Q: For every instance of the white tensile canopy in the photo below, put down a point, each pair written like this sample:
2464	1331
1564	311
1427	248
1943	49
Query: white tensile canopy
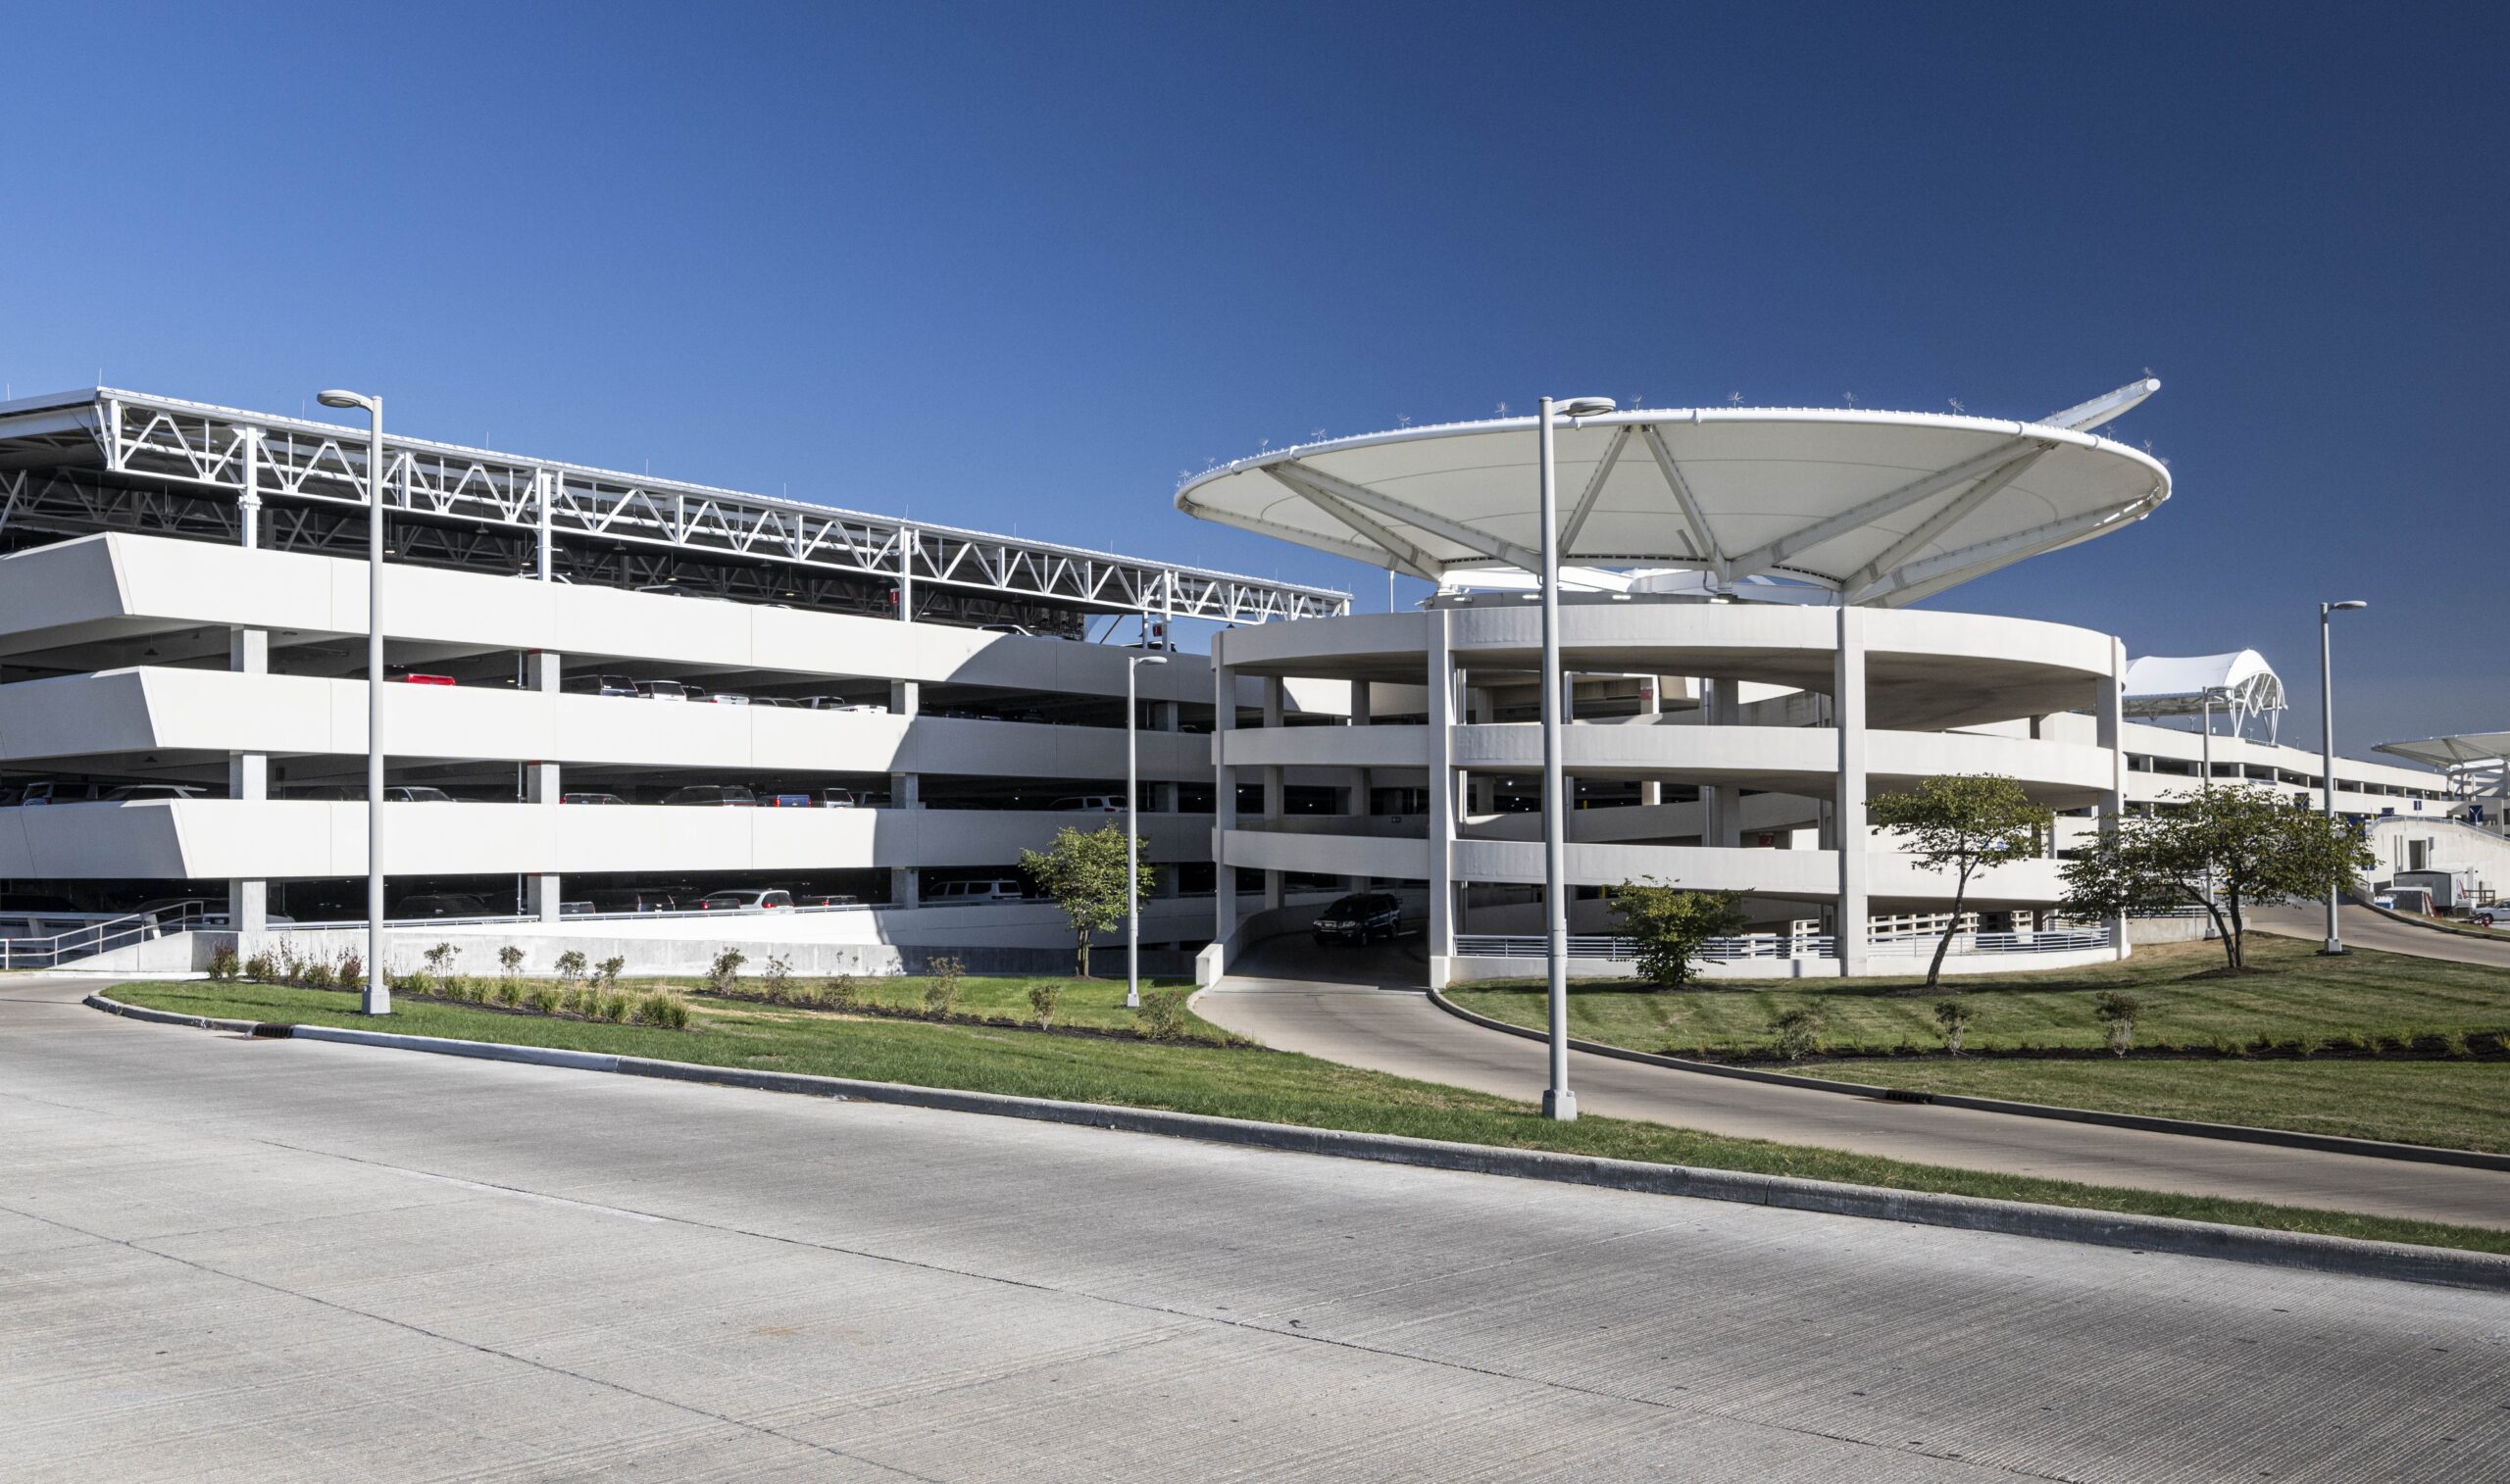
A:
2477	762
1874	507
2240	685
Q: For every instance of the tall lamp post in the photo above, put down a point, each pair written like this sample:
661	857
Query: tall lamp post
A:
1133	828
1558	1102
2327	740
378	995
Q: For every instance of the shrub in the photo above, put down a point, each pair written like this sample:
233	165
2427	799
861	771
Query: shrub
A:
1673	928
668	1012
2223	1046
2363	1045
941	987
2117	1010
1798	1031
606	972
844	993
1952	1017
222	963
2455	1044
509	993
614	1006
571	966
1041	1000
1163	1013
440	959
543	999
779	975
510	960
316	974
259	968
725	970
2309	1046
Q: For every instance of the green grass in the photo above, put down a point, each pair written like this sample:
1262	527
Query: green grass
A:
2455	1104
2301	995
1091	1004
1226	1082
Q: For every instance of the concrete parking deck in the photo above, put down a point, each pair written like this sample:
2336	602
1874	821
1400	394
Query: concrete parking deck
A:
277	1259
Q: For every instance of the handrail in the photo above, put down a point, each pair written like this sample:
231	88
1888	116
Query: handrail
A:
1784	945
100	937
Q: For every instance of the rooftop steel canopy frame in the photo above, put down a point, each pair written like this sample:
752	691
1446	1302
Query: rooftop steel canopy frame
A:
1877	507
104	459
2240	685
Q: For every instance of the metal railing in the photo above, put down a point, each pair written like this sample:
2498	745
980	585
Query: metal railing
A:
1784	945
94	938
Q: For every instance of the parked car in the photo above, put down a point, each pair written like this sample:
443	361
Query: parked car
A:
1090	804
416	793
784	701
2495	915
634	899
1360	916
841	798
574	908
141	793
419	679
773	899
599	685
47	791
830	899
721	795
590	798
442	904
665	690
963	893
839	702
727	698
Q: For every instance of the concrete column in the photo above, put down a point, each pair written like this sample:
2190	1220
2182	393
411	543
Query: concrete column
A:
904	888
906	699
1440	679
1847	689
1722	806
1276	787
1651	705
2109	713
1361	783
1223	794
248	776
1163	796
542	672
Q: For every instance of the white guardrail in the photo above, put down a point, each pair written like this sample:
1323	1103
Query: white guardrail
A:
102	936
1784	945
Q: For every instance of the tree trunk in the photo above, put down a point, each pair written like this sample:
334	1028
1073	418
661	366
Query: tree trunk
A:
2239	935
1080	957
2222	929
1951	929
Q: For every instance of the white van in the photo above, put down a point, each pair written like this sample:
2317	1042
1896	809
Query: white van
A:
1090	804
966	893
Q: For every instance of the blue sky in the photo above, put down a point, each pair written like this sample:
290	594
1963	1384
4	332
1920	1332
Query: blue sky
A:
1017	266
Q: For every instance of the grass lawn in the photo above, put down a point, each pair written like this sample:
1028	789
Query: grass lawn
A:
1096	1004
1223	1081
2458	1104
2302	994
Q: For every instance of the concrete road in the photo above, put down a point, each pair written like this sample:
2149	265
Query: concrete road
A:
2365	928
230	1259
1358	1008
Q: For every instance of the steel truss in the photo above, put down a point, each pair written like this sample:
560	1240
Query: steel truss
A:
183	466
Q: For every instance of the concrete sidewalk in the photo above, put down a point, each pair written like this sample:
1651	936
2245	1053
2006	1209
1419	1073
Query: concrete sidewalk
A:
285	1259
1368	1015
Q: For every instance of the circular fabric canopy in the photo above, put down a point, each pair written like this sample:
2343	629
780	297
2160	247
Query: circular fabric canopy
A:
1880	508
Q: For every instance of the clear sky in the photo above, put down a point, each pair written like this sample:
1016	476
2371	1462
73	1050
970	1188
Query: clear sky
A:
1017	267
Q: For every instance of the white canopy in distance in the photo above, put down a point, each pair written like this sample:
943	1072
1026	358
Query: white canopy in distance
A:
2239	685
1874	507
2477	762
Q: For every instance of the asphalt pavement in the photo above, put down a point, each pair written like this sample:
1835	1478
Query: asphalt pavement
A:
238	1260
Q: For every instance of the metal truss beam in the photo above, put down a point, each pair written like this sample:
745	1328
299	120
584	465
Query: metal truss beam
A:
170	444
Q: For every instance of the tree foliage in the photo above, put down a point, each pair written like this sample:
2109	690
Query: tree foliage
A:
1085	875
1672	925
2247	845
1963	824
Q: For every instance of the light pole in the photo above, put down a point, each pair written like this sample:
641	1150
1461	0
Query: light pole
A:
378	995
1558	1102
1133	829
2326	743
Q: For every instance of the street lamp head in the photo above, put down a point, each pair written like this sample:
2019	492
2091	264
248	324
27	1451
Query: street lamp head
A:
338	398
1583	407
2337	607
1150	659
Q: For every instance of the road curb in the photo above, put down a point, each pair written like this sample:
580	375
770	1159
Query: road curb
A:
2305	1251
2237	1133
2480	934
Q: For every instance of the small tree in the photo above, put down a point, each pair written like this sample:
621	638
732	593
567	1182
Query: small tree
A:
1084	874
2117	1010
1671	926
1952	1017
1044	996
2251	847
1963	825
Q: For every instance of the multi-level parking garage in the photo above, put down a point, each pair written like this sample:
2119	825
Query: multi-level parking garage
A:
1740	671
179	624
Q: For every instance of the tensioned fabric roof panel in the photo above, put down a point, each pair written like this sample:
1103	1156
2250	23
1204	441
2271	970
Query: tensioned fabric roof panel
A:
1882	507
2453	752
2175	684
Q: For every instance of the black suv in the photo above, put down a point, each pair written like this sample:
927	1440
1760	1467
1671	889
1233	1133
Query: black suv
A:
1360	916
